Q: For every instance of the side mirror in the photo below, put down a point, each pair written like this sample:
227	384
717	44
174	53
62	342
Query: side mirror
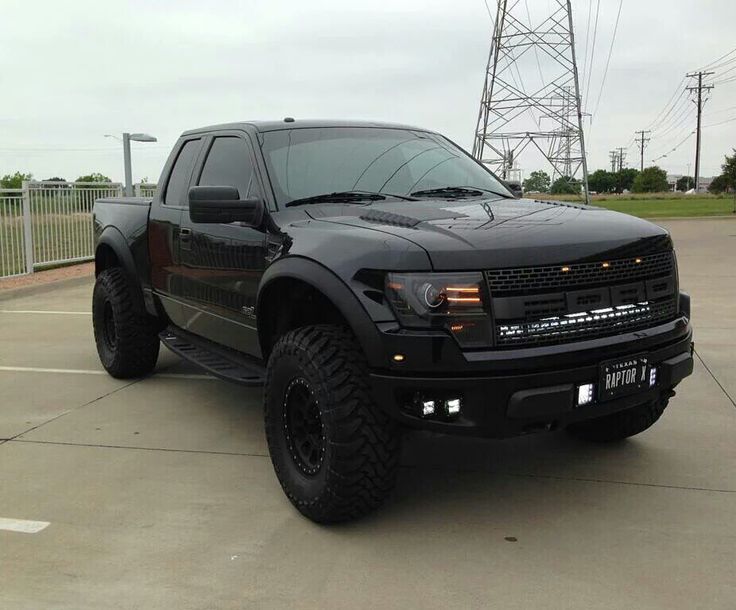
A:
222	204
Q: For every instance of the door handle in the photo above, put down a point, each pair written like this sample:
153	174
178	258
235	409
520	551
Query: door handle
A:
184	234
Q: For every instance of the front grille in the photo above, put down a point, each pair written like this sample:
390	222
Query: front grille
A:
584	325
551	278
555	304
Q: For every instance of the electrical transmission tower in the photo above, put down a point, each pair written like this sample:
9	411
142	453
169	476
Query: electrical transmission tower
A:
620	157
613	155
552	101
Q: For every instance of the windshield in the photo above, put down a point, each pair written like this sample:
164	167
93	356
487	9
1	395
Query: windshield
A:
313	161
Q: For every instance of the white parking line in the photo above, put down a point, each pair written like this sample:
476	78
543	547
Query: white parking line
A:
55	313
33	369
23	526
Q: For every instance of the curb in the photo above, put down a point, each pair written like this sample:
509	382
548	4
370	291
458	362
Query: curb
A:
732	217
26	291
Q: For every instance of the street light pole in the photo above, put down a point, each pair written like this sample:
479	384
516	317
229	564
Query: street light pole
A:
128	167
127	138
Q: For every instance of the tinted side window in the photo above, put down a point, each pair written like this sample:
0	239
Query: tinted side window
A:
176	190
229	164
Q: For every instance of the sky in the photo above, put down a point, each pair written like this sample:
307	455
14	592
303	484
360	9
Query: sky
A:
73	71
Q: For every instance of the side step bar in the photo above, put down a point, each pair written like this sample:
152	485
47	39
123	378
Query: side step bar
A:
216	360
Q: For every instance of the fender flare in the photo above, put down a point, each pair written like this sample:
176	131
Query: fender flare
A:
331	286
114	239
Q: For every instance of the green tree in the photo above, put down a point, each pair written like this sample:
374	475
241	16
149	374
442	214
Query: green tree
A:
718	185
624	179
565	185
651	180
685	183
729	170
537	181
93	177
14	181
601	181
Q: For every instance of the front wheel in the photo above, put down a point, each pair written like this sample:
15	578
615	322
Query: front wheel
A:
620	425
334	451
127	341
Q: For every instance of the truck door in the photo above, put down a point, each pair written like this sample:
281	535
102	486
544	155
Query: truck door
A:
164	225
222	264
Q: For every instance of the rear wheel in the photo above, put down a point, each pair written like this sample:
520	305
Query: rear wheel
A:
620	425
334	451
127	341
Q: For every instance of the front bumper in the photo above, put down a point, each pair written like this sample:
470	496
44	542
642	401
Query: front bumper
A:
510	400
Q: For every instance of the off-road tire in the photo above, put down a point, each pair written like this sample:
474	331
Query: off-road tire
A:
127	341
620	425
361	444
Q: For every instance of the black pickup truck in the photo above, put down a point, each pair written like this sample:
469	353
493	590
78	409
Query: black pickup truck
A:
374	278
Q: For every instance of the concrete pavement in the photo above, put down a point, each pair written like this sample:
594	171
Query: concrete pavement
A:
159	492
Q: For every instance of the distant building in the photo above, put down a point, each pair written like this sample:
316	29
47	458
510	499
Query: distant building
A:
673	178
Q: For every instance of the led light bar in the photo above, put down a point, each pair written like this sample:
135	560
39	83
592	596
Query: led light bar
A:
572	320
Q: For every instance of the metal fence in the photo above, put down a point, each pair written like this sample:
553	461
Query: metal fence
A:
12	238
45	224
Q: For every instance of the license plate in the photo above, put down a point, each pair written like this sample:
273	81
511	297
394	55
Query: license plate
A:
623	376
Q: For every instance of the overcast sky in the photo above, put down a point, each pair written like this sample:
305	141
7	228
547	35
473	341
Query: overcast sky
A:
72	71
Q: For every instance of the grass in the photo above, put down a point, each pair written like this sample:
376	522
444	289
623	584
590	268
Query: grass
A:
674	208
663	205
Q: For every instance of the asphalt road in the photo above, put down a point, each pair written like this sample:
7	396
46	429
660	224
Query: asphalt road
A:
158	493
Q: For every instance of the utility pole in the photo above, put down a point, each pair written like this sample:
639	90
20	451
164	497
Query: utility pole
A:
699	102
621	155
613	155
642	142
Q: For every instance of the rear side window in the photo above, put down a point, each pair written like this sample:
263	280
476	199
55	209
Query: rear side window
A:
229	164
176	190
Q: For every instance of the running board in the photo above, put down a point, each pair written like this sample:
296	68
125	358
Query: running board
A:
219	361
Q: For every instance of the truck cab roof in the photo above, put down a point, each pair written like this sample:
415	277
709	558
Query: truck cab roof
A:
289	123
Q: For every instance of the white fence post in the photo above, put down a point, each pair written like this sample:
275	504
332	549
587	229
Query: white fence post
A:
27	228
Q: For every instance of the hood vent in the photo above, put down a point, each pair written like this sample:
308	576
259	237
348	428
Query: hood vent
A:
389	218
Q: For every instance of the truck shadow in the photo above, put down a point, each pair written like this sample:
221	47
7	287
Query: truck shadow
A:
465	476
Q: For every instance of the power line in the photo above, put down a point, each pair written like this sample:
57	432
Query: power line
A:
690	135
711	65
117	149
669	108
592	52
608	59
587	39
720	123
677	122
536	51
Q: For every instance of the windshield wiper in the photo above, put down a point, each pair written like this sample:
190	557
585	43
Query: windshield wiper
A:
454	192
345	196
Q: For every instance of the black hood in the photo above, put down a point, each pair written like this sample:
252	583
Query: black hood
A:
484	233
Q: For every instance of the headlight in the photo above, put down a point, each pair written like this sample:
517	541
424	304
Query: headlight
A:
456	302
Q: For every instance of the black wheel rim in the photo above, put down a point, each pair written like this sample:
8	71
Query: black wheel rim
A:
108	326
303	427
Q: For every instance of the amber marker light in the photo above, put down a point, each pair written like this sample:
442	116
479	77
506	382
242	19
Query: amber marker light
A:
462	295
399	358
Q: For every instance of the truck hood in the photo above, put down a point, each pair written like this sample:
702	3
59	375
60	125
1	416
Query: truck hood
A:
492	233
